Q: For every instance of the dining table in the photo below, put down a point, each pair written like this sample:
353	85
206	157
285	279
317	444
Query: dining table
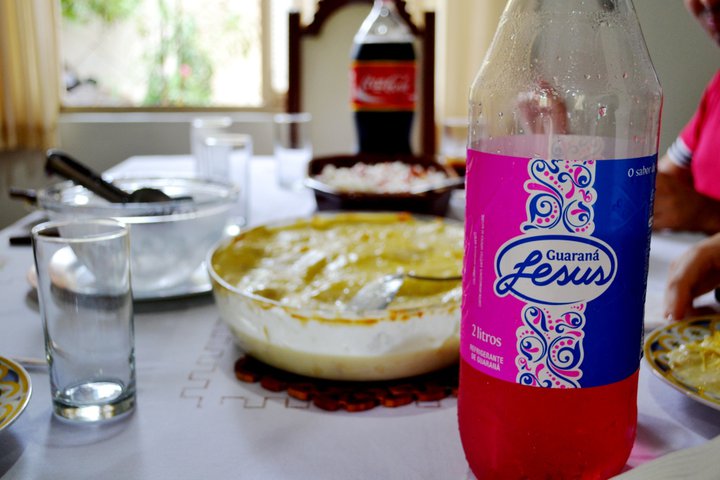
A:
195	419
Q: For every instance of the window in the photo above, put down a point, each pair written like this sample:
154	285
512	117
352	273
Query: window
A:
174	53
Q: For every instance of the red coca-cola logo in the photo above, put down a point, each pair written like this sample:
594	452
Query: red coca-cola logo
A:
387	85
383	86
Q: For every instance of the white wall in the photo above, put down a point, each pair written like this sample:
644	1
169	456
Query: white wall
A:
684	57
325	81
102	140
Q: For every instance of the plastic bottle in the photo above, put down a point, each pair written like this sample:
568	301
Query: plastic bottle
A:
562	152
383	81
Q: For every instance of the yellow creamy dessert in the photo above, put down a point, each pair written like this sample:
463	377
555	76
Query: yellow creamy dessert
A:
322	262
283	290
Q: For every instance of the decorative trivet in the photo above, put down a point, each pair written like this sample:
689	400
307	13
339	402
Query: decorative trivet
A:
350	396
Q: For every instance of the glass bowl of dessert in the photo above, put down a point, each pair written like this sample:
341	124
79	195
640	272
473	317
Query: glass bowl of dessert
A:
286	291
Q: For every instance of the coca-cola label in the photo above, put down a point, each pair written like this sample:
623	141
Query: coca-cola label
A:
556	256
383	85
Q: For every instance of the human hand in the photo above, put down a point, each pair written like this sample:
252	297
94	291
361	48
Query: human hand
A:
694	273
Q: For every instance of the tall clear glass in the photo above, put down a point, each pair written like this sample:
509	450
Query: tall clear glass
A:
83	277
227	159
292	148
562	151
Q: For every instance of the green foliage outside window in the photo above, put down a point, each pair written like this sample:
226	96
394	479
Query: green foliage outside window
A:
108	11
179	72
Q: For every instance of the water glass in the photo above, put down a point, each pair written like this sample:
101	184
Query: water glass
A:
292	148
200	129
453	143
228	158
83	278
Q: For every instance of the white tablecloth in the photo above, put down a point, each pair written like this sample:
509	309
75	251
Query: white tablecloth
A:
195	420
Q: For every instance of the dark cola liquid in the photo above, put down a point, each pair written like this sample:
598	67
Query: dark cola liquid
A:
385	132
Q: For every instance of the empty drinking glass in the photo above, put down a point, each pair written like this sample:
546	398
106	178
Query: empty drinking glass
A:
292	149
83	275
200	129
227	159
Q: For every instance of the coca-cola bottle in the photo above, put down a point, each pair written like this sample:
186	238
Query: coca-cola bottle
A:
382	81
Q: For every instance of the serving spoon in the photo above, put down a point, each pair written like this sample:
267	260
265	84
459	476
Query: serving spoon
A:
379	293
62	164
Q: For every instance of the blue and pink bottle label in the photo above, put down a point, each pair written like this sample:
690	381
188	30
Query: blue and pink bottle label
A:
556	257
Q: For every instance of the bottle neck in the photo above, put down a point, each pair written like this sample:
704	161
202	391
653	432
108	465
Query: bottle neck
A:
559	68
385	9
569	6
384	24
560	38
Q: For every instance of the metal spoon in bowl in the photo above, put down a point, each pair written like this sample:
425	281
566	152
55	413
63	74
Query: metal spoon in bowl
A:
62	164
379	293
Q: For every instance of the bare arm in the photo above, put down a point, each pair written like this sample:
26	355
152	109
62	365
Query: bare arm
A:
678	206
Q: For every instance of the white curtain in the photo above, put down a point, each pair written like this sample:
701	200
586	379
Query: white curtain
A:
465	29
29	74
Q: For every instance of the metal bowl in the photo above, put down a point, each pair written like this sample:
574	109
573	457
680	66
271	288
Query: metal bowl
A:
168	240
324	339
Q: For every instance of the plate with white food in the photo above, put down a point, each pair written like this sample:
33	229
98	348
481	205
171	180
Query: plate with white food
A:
686	355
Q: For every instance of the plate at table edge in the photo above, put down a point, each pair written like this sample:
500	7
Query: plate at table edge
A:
197	284
662	340
20	399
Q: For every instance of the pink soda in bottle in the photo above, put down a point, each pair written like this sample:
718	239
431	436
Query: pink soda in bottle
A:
562	151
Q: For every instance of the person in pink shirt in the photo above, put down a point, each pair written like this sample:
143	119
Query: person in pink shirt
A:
688	188
687	195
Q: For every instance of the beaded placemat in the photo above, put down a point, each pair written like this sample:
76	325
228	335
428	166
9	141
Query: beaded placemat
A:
350	396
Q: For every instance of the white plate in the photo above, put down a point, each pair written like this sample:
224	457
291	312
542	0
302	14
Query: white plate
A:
661	341
15	390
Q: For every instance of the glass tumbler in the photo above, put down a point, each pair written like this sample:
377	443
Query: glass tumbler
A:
83	278
292	148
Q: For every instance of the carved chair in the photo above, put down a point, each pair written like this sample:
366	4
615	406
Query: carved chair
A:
425	117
